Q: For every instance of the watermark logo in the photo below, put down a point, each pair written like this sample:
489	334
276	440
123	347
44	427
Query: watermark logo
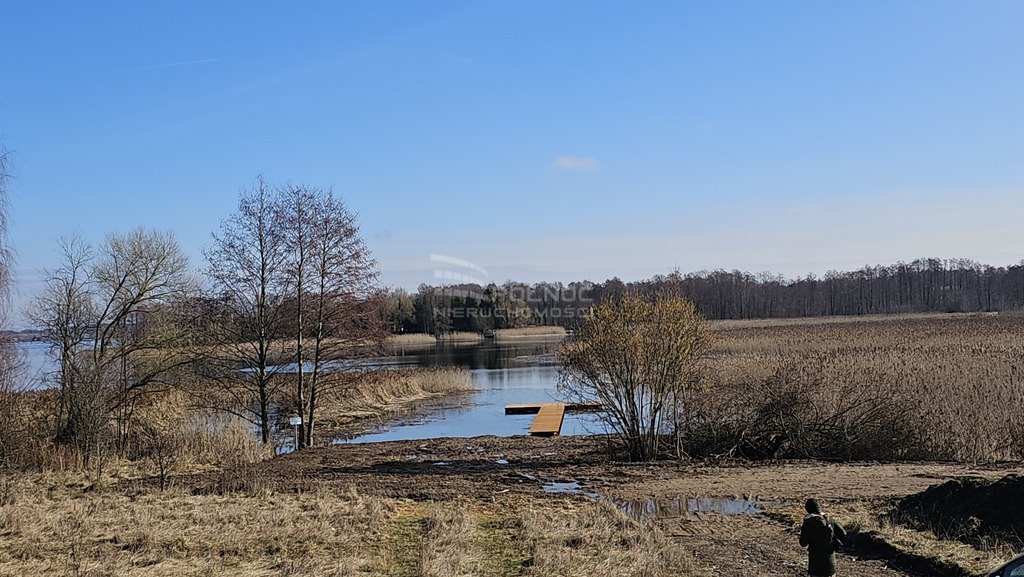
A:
467	293
447	263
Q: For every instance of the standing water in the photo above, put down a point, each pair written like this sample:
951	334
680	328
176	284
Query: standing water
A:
502	373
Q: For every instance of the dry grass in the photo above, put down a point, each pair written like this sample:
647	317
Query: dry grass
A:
388	392
63	525
52	526
461	337
411	339
920	387
927	545
736	324
447	545
598	539
528	332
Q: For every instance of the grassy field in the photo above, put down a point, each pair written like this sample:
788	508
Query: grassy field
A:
73	525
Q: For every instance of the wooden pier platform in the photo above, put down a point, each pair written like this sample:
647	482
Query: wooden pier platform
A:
549	420
550	416
533	409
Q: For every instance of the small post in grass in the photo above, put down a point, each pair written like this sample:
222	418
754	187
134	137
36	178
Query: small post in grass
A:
295	422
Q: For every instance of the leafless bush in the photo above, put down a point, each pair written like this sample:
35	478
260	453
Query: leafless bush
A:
641	360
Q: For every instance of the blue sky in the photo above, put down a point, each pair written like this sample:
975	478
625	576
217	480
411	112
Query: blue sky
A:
541	140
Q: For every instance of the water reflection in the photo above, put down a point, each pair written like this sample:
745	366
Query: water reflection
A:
502	374
486	355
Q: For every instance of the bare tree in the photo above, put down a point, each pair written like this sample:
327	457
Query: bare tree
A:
6	250
10	400
301	307
246	264
110	317
65	310
640	359
296	206
347	305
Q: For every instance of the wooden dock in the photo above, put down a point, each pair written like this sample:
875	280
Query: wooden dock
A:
550	416
548	422
533	409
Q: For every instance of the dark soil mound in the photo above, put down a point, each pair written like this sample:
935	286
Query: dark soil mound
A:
971	510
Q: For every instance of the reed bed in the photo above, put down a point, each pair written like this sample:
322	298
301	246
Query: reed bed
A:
528	332
387	392
411	340
461	337
928	387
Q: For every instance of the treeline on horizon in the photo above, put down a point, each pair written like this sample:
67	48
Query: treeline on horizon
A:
923	285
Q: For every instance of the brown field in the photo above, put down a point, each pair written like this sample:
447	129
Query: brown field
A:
390	510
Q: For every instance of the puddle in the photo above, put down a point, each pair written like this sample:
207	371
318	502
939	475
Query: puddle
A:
559	488
665	508
647	509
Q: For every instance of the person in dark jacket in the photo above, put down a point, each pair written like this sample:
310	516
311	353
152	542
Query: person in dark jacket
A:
822	537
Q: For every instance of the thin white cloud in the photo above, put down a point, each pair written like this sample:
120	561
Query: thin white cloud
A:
169	64
575	162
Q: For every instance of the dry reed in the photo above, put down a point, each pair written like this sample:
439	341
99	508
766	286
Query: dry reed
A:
528	332
925	387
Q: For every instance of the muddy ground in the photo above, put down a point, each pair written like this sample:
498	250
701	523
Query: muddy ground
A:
484	466
495	468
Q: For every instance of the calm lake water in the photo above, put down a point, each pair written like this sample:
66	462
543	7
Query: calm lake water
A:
36	365
502	373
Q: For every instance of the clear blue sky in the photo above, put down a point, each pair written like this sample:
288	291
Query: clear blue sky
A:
541	140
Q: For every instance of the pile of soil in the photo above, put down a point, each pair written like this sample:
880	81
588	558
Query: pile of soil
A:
970	510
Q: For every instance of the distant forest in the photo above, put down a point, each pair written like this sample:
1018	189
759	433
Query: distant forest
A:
924	285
